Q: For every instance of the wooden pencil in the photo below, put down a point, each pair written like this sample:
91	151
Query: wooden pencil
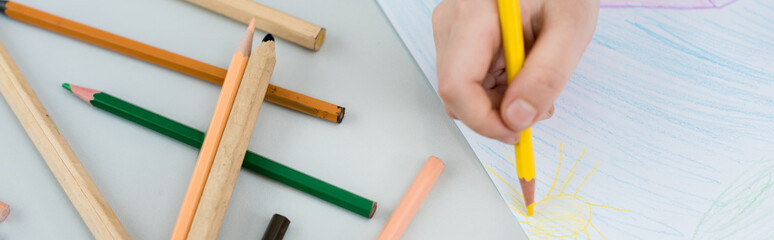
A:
274	94
214	133
282	25
60	158
513	49
231	150
277	228
411	201
252	161
4	211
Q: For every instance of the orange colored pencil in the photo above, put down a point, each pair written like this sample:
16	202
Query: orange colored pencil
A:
213	136
411	201
161	57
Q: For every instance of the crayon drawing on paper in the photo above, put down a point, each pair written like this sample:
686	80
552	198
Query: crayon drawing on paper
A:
562	213
666	127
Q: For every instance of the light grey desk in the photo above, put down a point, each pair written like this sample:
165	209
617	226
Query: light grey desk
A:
394	122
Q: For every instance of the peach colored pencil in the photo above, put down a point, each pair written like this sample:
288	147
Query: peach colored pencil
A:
4	211
231	152
413	198
214	133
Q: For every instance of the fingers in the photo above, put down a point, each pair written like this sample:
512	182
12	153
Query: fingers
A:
489	81
496	74
465	55
449	112
468	102
566	30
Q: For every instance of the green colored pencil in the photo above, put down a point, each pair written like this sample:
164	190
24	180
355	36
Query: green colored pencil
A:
253	162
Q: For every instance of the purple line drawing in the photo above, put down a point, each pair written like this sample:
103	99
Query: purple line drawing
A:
666	4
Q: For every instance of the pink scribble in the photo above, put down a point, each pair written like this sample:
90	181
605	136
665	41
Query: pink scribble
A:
666	4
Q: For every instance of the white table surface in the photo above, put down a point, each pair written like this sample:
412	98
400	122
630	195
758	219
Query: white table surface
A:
393	122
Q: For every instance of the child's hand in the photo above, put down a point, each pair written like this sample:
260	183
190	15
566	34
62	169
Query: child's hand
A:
471	76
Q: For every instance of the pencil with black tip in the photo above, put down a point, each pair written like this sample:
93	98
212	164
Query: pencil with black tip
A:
253	162
233	144
164	58
513	47
214	134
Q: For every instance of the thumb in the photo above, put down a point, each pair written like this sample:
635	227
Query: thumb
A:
567	29
531	96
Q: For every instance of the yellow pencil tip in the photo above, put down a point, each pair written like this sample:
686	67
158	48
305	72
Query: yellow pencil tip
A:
530	210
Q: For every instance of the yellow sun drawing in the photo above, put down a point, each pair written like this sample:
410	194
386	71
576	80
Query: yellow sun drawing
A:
561	215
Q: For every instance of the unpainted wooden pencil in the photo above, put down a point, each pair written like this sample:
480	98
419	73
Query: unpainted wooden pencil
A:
231	151
60	158
214	134
280	24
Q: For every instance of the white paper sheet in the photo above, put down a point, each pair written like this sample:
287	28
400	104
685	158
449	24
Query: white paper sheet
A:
673	104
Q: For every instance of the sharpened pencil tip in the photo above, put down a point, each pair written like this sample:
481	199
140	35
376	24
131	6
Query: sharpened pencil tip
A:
3	6
268	37
85	94
246	45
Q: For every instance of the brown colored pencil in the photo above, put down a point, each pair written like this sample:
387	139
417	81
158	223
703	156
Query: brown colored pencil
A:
269	20
277	228
214	135
274	94
60	158
233	146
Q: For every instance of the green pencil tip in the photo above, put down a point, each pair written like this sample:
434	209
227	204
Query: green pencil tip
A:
67	86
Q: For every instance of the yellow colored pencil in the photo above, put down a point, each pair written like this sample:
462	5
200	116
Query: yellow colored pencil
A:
513	47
